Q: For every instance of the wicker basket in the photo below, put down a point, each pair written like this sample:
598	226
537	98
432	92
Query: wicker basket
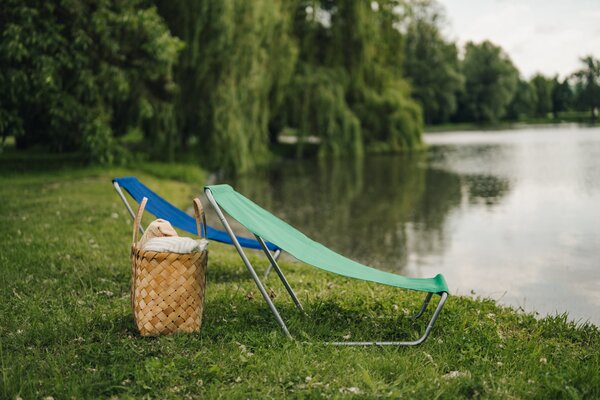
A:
167	289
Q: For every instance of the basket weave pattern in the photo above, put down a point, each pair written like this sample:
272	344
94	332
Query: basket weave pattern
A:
167	292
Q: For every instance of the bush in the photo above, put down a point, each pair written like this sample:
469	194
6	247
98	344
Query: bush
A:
78	73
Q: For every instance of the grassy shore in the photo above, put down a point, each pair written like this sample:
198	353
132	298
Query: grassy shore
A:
66	329
572	117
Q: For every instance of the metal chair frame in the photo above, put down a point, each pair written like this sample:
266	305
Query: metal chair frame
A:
117	187
277	269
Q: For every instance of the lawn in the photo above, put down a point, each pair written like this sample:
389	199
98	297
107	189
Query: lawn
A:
66	329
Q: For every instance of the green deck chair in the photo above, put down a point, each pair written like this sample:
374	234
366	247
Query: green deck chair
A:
265	226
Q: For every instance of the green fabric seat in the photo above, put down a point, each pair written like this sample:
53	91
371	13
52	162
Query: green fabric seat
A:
264	224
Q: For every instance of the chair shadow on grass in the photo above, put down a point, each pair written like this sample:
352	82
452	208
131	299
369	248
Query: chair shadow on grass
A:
236	318
324	321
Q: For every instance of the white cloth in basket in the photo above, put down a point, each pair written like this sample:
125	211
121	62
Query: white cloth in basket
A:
170	244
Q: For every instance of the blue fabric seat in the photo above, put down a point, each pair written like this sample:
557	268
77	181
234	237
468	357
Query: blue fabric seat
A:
161	208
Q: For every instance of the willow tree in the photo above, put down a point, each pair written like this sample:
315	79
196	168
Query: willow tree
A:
367	43
347	87
238	56
323	68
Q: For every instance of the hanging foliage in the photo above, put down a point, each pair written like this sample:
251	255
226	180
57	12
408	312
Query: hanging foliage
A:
348	87
238	57
76	75
315	106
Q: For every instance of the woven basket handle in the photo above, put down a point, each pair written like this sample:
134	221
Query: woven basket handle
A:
138	220
199	211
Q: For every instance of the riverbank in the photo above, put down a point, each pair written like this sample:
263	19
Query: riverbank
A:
564	118
66	330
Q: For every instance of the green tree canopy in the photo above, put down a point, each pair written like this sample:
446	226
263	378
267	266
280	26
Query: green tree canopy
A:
76	73
523	102
321	68
562	96
356	48
238	56
222	79
543	89
490	83
588	85
431	63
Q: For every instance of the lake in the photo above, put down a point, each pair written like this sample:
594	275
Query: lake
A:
513	215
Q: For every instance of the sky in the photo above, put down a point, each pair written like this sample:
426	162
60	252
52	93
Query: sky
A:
547	36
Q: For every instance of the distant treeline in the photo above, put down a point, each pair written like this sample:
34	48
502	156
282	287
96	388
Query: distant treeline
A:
223	79
483	86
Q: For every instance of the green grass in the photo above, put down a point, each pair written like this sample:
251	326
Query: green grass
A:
66	329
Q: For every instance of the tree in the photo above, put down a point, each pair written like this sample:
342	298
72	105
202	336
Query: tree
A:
317	67
490	83
523	102
367	44
237	58
431	63
348	86
543	90
588	82
562	96
75	74
315	101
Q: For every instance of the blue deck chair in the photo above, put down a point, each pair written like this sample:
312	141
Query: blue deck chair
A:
161	208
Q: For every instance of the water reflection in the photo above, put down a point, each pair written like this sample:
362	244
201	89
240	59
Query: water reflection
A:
369	209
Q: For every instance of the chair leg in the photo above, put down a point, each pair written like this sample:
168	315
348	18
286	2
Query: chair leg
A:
267	272
436	313
238	247
270	267
279	272
424	306
127	206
